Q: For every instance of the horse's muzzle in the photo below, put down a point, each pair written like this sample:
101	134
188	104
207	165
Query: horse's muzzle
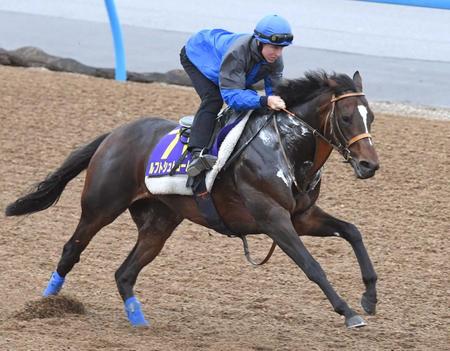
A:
364	169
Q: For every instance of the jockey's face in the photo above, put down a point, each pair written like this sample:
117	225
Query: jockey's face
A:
271	52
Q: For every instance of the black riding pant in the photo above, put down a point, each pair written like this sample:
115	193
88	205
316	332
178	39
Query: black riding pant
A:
210	106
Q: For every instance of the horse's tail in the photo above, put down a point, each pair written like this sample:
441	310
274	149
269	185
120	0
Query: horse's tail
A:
47	192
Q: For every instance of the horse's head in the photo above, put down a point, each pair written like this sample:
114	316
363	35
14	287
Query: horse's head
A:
344	115
348	122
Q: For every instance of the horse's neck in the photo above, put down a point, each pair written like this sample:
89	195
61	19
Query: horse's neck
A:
295	131
307	152
319	114
314	112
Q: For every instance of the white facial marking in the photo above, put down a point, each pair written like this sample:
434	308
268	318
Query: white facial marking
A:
336	234
281	175
363	112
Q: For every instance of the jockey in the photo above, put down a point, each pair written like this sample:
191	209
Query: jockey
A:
223	66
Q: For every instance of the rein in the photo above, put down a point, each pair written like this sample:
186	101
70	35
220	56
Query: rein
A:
247	253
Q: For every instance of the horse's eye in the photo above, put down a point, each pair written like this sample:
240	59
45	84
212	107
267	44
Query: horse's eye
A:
346	119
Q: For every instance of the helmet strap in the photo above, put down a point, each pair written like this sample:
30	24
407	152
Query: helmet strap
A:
260	46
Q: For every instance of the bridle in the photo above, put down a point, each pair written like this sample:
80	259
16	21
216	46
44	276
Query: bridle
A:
334	125
341	144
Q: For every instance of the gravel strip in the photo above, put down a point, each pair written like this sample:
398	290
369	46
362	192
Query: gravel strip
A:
408	110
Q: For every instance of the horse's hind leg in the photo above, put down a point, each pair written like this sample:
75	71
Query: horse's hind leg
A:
316	222
87	227
155	222
99	208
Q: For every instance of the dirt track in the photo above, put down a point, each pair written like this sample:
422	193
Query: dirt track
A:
200	293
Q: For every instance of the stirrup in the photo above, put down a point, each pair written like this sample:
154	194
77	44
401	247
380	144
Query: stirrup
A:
201	163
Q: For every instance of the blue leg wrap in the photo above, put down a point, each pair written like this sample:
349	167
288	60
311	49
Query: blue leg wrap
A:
54	285
134	312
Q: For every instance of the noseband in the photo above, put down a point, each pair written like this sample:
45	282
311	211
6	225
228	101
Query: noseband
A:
342	144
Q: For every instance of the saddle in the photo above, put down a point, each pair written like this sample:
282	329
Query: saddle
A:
166	168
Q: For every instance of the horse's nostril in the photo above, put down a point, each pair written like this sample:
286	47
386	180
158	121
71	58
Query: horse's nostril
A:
369	165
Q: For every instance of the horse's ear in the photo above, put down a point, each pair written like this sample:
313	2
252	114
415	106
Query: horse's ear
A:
358	81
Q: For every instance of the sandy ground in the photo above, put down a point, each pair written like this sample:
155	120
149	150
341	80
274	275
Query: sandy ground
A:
200	293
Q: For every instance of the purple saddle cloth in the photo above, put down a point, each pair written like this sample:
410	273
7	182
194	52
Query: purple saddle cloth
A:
172	145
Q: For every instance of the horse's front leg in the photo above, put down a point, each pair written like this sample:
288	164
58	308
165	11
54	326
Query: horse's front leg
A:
316	222
279	227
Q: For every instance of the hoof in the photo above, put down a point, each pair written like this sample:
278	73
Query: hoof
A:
368	306
355	322
134	312
54	285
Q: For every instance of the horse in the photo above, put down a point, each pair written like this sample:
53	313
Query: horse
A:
270	188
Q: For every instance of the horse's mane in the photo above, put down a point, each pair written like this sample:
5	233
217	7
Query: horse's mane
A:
298	91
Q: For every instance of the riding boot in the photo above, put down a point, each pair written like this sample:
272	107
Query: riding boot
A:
200	162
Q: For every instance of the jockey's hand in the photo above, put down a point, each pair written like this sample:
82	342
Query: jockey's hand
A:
275	102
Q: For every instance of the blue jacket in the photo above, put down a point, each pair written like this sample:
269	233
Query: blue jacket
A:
234	63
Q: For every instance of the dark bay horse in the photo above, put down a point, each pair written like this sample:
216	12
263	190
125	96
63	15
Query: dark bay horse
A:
271	188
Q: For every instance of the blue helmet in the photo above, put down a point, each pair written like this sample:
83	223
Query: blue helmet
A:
275	30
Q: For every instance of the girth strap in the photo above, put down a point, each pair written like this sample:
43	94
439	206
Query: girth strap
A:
207	208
